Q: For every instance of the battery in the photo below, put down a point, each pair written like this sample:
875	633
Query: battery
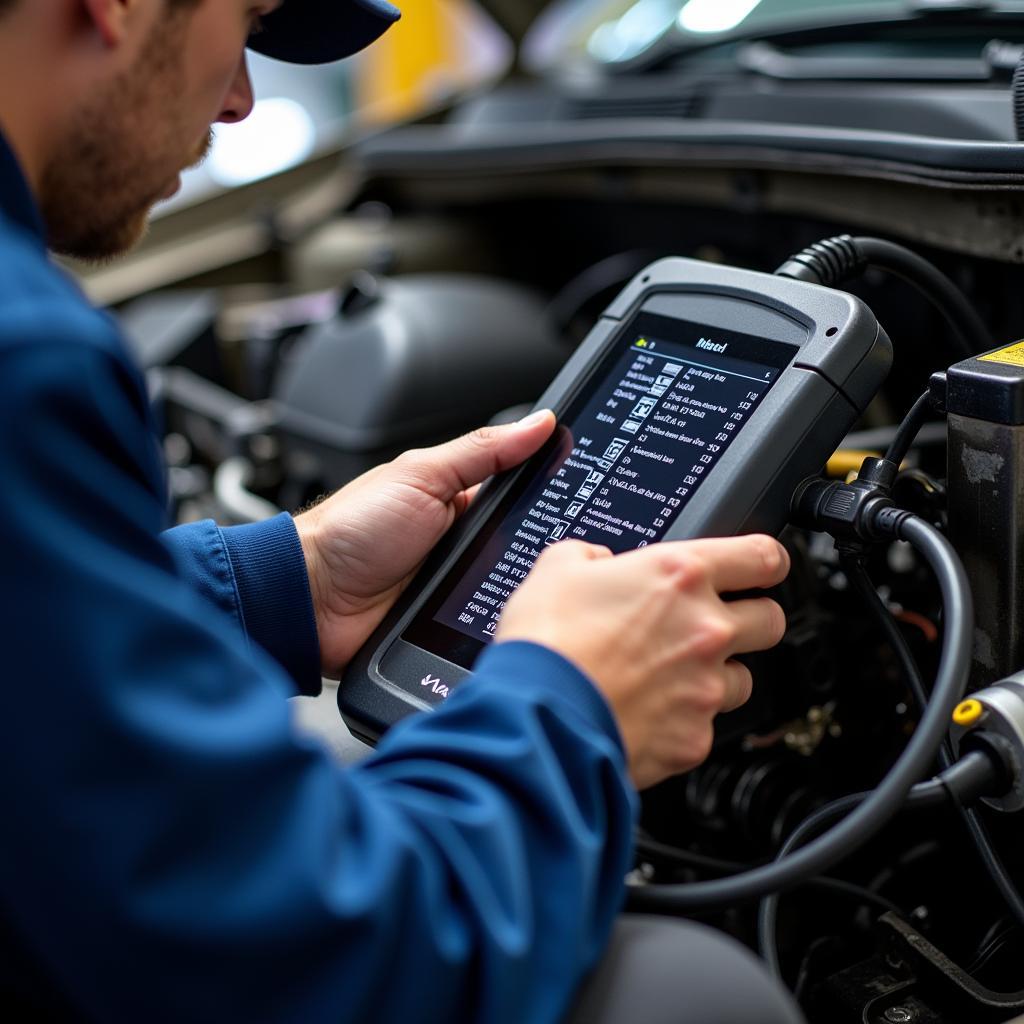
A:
985	469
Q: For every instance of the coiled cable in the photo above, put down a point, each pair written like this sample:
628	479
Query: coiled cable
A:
878	807
768	912
835	260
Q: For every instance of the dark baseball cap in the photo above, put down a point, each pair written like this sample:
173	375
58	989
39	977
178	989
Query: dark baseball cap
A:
321	31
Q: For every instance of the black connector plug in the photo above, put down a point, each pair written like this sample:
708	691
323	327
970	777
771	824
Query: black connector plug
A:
854	513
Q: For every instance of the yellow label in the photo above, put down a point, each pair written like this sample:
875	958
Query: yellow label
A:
1012	355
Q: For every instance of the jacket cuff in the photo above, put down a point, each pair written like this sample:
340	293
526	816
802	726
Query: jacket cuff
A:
273	590
522	666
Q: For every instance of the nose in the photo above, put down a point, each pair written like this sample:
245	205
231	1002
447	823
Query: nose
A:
238	101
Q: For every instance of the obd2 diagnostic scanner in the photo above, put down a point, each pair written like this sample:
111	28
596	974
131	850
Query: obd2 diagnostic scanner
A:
697	404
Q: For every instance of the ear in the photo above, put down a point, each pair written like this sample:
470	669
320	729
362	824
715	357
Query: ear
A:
110	18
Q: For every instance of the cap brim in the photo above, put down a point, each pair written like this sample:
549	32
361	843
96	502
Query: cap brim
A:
322	31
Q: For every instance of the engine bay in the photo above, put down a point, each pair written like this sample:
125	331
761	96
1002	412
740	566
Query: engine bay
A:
270	404
475	254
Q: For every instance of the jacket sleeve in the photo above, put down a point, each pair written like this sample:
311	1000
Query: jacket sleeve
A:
173	852
256	575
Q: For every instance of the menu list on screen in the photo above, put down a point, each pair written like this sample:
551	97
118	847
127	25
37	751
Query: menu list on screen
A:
630	453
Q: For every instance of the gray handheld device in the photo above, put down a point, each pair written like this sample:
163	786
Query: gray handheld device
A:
703	396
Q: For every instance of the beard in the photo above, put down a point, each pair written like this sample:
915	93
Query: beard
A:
120	154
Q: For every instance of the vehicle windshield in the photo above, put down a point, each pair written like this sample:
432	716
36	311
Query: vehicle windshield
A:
612	31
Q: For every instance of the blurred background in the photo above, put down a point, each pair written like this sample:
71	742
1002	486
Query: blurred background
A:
402	247
439	49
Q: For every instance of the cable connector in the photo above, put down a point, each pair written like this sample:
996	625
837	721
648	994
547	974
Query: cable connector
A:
826	262
858	512
993	719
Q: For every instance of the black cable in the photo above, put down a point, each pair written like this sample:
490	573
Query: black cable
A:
993	864
806	965
993	940
966	779
858	577
835	260
648	847
975	825
924	795
972	819
933	285
1018	98
885	801
656	851
931	434
592	282
899	446
858	892
768	912
902	862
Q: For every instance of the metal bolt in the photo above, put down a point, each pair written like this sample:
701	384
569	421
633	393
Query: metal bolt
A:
899	1015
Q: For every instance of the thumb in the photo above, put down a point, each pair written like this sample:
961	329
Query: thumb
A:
448	469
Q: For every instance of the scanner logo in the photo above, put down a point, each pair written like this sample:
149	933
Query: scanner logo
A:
712	346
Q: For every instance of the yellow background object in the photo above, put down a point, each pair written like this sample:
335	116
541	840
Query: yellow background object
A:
847	461
1012	355
967	712
419	62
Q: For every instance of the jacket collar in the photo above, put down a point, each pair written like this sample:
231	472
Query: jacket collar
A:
16	199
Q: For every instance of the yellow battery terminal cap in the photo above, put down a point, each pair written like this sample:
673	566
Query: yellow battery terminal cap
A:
967	712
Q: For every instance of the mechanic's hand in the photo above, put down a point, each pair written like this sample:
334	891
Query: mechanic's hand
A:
364	544
650	629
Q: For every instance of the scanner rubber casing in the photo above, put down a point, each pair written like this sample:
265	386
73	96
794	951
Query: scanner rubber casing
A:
844	357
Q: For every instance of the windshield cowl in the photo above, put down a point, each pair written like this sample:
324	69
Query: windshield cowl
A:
630	35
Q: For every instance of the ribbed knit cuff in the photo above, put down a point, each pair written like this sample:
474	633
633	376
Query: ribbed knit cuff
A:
273	589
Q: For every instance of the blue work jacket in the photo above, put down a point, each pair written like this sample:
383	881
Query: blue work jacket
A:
172	850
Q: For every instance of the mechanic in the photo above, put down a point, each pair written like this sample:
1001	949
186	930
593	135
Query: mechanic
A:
173	852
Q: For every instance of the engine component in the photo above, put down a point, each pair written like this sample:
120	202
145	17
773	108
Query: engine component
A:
997	712
406	362
985	406
834	704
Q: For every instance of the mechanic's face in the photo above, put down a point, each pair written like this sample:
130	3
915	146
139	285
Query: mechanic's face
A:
130	139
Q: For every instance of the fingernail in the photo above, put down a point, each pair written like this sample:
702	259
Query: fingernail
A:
534	418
